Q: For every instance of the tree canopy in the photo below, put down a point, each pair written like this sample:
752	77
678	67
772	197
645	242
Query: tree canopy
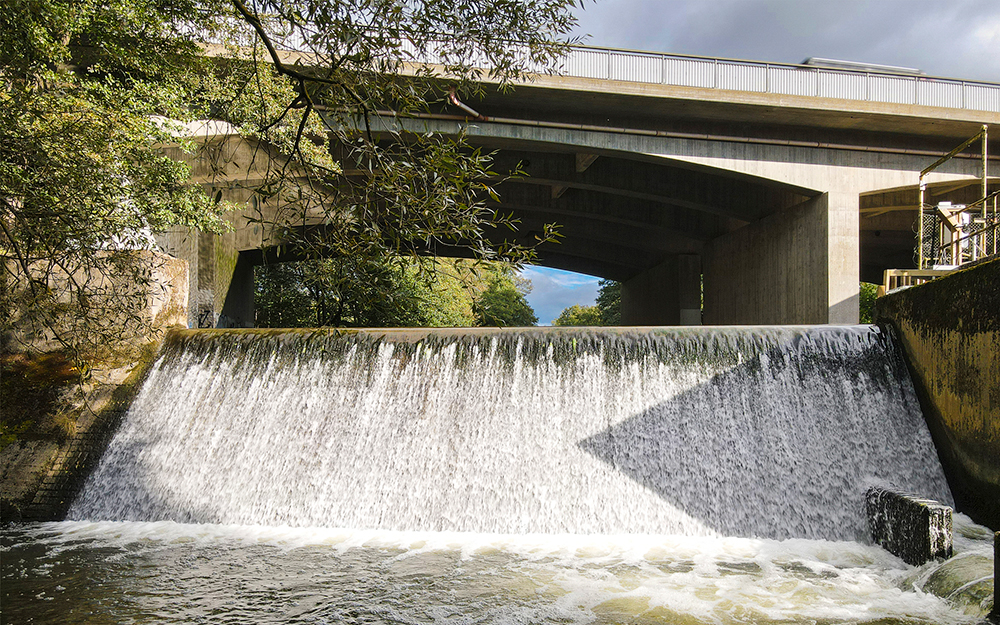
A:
92	89
503	303
577	315
609	302
389	293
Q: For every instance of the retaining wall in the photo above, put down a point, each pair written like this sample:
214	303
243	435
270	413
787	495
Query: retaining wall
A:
950	332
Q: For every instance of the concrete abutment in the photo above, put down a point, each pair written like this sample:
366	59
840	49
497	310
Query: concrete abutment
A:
796	266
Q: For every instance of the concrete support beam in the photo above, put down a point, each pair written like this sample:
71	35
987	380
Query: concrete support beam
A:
666	295
238	310
798	266
843	258
583	161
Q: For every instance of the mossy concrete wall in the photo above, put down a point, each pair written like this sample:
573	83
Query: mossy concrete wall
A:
47	448
950	332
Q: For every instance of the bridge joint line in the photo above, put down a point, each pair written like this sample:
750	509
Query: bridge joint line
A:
669	134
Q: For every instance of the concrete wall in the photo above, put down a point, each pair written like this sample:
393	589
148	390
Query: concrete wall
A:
666	295
42	471
793	267
950	332
220	280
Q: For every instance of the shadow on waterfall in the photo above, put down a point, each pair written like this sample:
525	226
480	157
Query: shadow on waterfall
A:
767	432
777	447
148	500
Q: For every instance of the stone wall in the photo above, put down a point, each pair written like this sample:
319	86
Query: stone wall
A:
950	332
50	446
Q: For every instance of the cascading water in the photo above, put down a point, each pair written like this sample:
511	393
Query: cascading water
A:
547	476
767	432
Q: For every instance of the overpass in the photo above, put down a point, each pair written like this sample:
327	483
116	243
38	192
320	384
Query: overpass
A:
780	186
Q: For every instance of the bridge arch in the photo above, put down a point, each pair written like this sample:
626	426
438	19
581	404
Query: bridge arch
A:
780	202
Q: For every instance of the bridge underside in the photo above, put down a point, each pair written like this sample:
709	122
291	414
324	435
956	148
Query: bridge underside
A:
766	226
666	229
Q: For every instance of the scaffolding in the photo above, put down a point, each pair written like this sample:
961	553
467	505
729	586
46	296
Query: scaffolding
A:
950	235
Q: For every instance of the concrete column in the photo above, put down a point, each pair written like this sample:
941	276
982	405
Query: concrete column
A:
238	309
798	266
843	230
666	295
204	283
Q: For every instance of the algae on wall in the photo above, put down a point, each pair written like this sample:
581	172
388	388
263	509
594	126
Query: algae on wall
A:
58	404
35	423
950	332
54	426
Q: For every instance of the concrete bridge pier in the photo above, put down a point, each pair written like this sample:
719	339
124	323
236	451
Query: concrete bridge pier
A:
238	309
667	294
796	266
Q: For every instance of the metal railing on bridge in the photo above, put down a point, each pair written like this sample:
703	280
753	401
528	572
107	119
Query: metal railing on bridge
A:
868	85
779	78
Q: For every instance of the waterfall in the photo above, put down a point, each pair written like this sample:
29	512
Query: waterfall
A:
757	432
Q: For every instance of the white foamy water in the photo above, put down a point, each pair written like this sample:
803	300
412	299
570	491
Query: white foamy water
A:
766	432
163	571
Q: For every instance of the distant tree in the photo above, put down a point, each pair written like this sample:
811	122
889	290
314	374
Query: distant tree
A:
866	302
577	315
503	303
609	302
364	293
391	293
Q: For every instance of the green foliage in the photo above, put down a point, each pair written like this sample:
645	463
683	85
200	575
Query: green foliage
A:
866	302
355	186
503	303
605	312
81	173
577	315
339	293
391	293
609	302
90	84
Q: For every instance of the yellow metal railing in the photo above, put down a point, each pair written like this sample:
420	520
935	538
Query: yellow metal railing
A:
897	278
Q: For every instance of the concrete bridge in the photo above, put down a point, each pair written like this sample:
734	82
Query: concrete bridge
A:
777	186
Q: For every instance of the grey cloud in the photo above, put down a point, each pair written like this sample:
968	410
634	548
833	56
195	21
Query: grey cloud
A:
960	38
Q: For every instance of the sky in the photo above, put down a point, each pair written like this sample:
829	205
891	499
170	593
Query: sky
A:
945	38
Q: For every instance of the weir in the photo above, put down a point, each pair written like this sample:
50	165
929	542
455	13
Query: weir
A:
752	431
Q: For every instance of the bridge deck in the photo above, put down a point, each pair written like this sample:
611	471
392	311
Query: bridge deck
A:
866	85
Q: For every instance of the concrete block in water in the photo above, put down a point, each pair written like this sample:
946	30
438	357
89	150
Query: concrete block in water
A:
914	529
